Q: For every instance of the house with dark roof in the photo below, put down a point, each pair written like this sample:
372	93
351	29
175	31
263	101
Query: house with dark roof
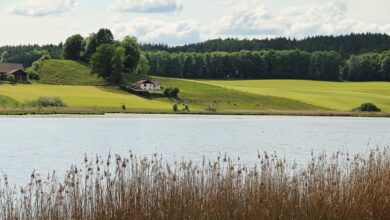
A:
147	85
14	69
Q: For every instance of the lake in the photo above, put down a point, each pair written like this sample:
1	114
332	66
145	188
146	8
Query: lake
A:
54	143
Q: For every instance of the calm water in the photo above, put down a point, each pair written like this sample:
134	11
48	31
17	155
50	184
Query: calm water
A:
46	144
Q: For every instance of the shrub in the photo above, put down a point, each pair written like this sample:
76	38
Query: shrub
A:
171	92
10	78
123	107
175	108
48	102
32	74
186	108
368	107
212	107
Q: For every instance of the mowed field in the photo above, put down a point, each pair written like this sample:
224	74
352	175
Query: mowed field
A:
83	96
341	96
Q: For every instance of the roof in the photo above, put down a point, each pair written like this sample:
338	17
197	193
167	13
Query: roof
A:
147	82
15	71
8	67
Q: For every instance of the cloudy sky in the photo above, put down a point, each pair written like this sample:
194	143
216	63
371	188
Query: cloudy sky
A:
177	22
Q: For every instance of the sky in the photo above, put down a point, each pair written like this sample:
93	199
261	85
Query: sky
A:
178	22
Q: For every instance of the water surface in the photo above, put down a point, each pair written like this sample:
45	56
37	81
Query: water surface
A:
46	144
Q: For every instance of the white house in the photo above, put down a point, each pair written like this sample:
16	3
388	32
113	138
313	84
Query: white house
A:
147	85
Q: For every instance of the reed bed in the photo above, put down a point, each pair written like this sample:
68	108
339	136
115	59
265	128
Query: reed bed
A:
334	187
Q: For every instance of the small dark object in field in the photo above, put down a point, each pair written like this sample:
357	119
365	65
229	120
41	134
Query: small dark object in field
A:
368	107
175	108
123	107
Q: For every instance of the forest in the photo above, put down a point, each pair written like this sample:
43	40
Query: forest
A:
353	57
345	45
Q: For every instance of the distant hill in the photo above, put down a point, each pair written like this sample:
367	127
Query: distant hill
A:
67	72
346	45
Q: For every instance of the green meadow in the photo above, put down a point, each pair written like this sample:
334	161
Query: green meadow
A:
341	96
78	88
83	96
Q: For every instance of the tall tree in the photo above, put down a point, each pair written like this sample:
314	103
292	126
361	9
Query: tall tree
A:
104	36
132	53
91	45
107	62
73	47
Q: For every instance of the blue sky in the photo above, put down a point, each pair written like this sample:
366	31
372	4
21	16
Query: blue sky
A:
177	22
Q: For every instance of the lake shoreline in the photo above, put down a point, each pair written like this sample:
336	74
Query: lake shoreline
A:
87	113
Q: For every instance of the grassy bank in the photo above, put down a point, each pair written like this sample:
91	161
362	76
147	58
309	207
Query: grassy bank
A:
83	96
335	187
339	96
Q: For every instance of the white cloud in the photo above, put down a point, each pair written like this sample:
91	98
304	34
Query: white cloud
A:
325	19
250	21
154	31
40	8
147	6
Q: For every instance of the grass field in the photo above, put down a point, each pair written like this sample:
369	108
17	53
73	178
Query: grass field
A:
67	72
332	95
199	95
72	81
83	96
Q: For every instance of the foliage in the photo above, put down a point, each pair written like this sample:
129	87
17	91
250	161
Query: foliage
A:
27	54
73	47
48	102
104	36
171	92
6	101
107	62
368	107
294	64
10	78
143	66
345	45
175	107
132	53
338	186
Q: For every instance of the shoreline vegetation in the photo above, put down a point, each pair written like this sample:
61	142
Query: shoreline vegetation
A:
85	112
338	186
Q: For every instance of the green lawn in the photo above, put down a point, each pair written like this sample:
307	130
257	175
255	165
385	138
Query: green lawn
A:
332	95
198	95
83	96
67	72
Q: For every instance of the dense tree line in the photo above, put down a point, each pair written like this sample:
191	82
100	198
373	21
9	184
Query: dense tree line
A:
270	64
27	54
368	67
345	45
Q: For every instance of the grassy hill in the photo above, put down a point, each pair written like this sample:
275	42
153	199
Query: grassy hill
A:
332	95
67	72
199	95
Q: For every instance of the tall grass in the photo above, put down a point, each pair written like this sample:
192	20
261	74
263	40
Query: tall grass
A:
336	187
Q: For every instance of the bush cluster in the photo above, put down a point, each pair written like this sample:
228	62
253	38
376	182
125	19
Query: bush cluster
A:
48	102
368	107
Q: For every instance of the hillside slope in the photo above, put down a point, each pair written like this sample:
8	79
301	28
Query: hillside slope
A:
67	72
199	96
333	95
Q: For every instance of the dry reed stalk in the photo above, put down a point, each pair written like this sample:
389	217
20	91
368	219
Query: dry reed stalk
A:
338	187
